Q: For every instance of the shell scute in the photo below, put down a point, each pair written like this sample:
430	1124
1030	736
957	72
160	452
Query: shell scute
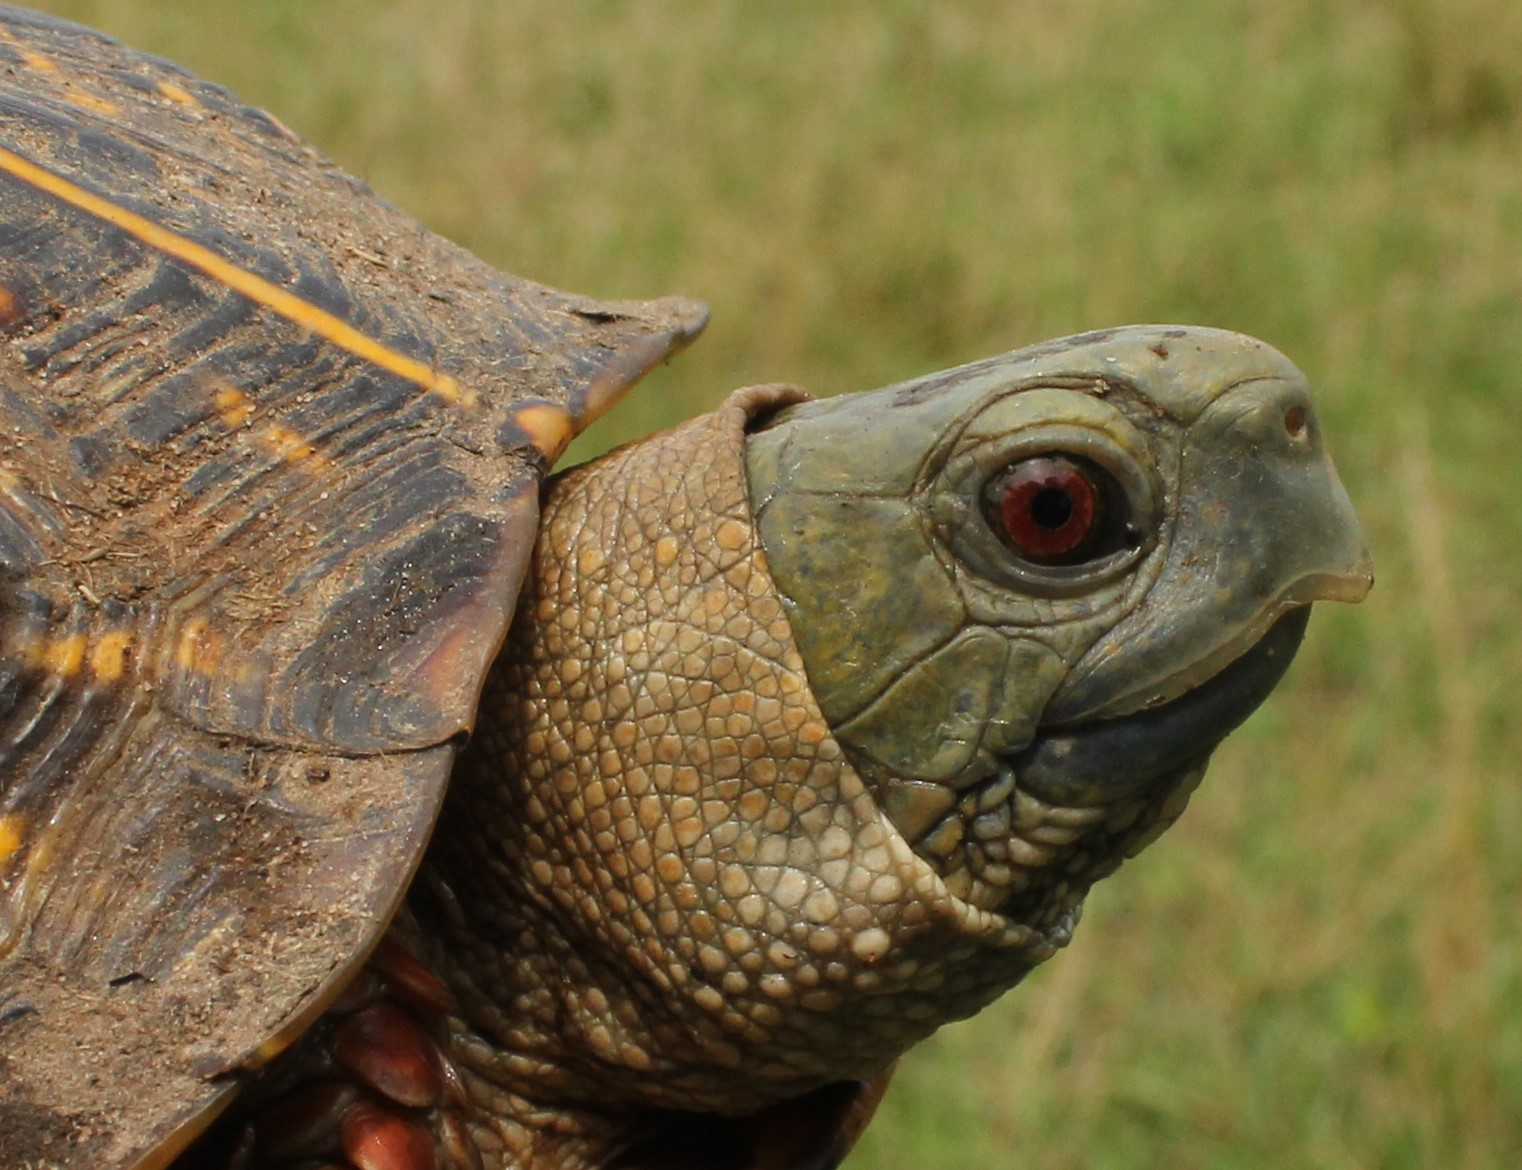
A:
263	516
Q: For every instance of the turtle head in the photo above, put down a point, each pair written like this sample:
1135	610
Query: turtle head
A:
1034	593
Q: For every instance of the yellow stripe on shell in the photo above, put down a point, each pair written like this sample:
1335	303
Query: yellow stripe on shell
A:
12	835
45	64
38	62
199	648
271	1048
176	93
547	426
88	101
63	656
233	407
108	657
280	301
285	444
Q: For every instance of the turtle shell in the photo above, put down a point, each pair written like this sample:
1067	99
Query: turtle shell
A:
269	467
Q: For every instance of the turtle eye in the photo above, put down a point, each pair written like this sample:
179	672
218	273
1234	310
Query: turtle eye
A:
1056	510
1048	508
1051	495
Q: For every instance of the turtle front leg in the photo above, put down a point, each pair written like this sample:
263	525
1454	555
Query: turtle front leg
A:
371	1087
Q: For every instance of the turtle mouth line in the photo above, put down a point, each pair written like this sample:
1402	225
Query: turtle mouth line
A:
1022	848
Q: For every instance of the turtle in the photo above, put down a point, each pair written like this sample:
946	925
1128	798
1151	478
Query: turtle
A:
371	797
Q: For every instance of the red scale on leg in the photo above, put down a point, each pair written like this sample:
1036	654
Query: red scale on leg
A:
376	1137
369	1089
409	980
389	1053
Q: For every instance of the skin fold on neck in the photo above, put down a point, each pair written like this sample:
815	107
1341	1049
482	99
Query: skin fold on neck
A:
661	882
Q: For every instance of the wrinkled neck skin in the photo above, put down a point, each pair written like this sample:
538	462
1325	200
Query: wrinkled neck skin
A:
659	884
658	880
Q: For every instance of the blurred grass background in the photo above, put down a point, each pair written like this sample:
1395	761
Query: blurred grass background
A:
1321	967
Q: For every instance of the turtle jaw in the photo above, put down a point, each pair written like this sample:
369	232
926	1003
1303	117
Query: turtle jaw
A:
1022	848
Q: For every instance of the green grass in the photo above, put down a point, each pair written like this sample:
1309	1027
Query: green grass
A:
1321	967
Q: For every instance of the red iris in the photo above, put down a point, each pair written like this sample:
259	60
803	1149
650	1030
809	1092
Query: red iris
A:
1049	508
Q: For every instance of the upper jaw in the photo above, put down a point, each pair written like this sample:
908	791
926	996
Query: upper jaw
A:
1263	527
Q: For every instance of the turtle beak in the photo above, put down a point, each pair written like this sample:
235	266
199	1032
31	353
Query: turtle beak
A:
1264	526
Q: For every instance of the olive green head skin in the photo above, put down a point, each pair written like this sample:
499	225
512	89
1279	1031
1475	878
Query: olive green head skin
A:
966	672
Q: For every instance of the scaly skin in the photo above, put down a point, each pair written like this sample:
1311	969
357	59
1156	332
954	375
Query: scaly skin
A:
704	908
668	885
791	757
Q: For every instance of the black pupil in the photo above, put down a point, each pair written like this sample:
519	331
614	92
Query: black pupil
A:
1051	508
